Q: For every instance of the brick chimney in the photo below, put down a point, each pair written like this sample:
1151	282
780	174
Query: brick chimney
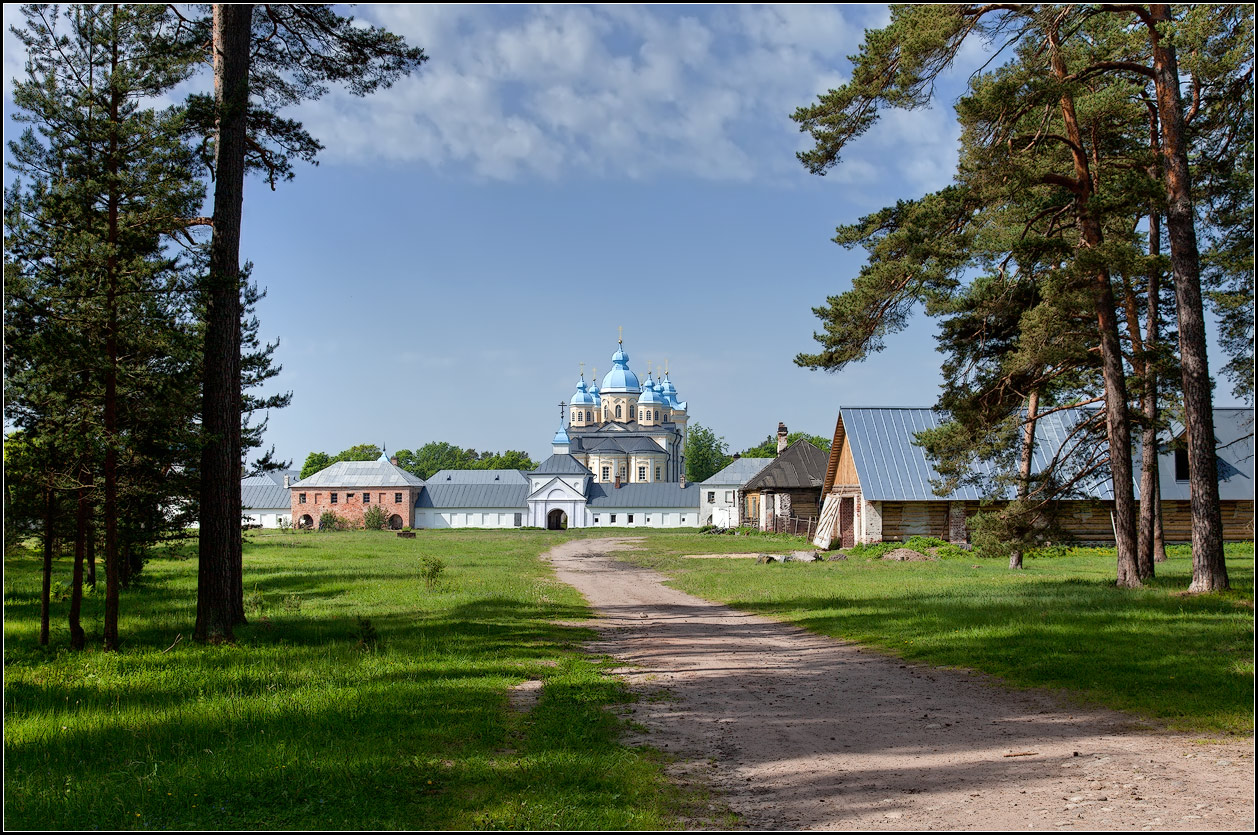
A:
286	484
683	481
617	482
781	437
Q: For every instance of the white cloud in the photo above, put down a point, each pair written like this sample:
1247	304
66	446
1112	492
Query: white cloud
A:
636	91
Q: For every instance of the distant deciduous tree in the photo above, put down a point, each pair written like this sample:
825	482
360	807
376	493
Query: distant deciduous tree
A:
706	453
768	448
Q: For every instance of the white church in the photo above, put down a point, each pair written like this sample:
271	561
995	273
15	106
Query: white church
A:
617	461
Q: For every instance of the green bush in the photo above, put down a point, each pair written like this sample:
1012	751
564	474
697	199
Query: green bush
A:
375	518
430	569
329	521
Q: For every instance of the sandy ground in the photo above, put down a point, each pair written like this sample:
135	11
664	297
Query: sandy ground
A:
798	731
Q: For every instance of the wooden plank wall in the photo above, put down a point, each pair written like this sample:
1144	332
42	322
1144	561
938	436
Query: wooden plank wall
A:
1087	521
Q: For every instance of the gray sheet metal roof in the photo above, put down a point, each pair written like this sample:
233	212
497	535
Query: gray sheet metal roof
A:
443	494
739	472
650	495
800	466
478	477
361	474
266	490
561	464
892	468
1234	433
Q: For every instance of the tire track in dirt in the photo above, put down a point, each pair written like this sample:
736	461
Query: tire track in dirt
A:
799	731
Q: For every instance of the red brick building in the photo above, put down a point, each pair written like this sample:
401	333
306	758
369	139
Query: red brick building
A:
349	488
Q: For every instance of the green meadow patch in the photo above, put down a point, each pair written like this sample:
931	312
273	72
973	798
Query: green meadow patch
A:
1186	661
364	693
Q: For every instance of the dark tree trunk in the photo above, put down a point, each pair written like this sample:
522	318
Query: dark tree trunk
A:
1024	465
91	554
220	590
45	594
1209	571
113	571
1150	489
1117	427
77	639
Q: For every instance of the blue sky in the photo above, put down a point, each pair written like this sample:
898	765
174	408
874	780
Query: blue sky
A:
553	173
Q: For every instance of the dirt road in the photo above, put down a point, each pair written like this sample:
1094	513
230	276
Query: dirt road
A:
798	731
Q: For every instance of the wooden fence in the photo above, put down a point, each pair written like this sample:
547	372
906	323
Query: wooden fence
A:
793	525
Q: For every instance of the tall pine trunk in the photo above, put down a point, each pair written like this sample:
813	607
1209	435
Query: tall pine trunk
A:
113	571
1150	486
1024	464
1209	571
220	589
45	593
78	640
1118	429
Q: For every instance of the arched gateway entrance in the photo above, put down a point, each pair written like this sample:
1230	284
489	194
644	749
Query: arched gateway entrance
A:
556	520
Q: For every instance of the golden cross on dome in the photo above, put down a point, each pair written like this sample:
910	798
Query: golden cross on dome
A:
621	331
582	370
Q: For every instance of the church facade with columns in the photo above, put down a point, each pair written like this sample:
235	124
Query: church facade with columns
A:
627	430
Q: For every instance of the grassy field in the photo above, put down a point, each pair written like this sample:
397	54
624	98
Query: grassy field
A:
356	698
1185	661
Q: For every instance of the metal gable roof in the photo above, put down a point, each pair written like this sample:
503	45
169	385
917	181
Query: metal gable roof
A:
561	464
266	490
648	495
448	477
442	494
259	496
739	472
892	468
360	474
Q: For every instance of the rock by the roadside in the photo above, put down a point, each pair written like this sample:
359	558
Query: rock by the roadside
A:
838	555
906	555
764	558
803	556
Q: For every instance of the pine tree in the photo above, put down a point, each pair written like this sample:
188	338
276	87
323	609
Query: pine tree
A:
264	57
1063	56
103	344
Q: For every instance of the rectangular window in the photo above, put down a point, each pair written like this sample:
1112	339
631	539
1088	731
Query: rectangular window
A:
630	518
397	498
641	473
366	498
333	499
729	496
613	518
596	518
606	473
711	497
519	520
1181	465
382	498
657	473
301	498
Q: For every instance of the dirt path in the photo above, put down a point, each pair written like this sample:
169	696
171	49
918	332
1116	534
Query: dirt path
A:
798	731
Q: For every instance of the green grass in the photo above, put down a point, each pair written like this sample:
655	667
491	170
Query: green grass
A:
355	698
310	722
1185	661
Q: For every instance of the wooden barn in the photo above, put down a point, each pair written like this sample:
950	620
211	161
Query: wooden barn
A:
878	483
787	492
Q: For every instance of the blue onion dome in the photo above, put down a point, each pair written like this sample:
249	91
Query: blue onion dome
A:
669	392
650	395
582	396
598	401
561	437
620	379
